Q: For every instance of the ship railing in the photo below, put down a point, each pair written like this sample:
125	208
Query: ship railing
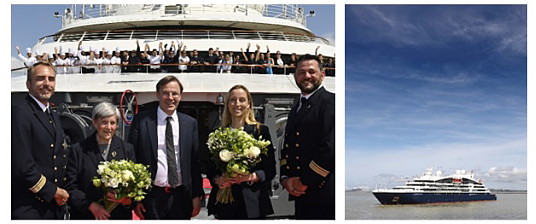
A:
174	68
159	35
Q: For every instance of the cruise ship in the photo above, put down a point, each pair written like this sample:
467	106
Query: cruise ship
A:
226	27
436	188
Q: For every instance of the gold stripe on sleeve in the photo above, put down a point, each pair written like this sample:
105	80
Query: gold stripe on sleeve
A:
318	169
40	183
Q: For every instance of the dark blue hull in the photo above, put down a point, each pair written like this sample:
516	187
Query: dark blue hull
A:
425	198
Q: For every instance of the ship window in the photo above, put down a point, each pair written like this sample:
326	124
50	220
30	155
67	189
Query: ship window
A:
162	35
71	37
299	38
94	36
118	36
272	36
247	35
144	35
195	35
220	35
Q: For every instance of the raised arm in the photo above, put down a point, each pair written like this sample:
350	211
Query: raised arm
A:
138	51
56	52
146	48
258	52
79	45
244	54
160	50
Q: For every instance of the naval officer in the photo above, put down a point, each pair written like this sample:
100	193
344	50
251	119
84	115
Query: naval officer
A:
308	155
38	155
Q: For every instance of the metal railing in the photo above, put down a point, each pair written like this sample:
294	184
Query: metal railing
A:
174	68
156	35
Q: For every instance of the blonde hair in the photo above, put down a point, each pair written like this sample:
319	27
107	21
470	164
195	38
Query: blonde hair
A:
249	117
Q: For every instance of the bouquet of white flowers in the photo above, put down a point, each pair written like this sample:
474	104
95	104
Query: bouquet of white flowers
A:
235	152
124	178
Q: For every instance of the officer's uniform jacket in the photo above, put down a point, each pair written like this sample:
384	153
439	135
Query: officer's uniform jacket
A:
309	147
38	161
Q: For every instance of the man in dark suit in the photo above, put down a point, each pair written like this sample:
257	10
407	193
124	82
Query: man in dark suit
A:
155	134
38	156
308	155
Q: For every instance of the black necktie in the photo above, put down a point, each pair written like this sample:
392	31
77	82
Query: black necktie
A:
49	114
302	104
173	177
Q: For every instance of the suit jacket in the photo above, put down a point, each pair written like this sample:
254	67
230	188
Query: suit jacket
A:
38	161
143	135
83	164
253	199
309	149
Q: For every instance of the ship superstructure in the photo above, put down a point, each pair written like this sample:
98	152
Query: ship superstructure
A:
200	26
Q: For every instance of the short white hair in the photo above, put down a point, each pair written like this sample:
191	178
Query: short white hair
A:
105	109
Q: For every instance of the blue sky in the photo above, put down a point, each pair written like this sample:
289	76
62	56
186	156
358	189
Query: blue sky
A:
31	22
436	86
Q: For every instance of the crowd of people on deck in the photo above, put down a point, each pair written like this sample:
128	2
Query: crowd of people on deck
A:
172	58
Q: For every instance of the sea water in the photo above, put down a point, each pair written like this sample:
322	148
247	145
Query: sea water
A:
363	205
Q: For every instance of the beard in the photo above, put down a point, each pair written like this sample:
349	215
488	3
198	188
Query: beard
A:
309	86
43	94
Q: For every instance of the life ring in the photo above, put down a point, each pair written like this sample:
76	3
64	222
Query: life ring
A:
128	97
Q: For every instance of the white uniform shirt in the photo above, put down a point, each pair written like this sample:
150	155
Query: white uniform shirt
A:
183	60
116	61
63	63
75	65
28	61
155	60
161	178
106	65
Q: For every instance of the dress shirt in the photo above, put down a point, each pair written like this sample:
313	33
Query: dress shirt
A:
307	96
41	105
161	178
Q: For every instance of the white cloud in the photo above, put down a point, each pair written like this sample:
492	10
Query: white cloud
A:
509	174
398	164
440	25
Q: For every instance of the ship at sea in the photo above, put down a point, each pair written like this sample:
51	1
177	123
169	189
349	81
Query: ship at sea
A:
201	27
435	187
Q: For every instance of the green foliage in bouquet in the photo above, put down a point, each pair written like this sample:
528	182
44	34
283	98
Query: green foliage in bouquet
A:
124	178
234	152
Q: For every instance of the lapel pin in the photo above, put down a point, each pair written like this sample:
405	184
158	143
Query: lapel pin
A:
114	154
